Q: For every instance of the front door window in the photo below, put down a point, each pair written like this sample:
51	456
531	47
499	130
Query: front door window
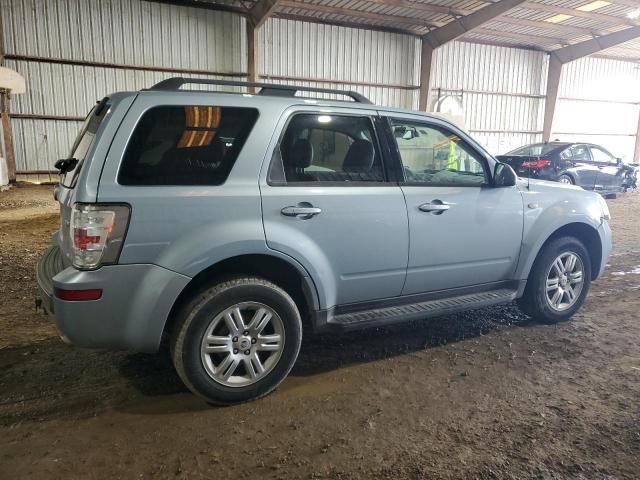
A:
432	155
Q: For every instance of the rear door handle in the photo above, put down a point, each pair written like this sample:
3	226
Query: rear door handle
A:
436	207
299	211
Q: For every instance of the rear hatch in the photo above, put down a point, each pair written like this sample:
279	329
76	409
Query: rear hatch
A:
72	170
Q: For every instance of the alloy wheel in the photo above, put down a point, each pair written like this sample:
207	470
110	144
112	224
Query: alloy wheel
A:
564	281
242	344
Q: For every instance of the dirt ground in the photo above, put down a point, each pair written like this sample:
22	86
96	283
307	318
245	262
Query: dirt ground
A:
486	394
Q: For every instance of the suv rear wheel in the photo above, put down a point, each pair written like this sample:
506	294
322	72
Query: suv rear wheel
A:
559	281
237	340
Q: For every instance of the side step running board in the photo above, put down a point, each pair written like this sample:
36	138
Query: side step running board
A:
421	310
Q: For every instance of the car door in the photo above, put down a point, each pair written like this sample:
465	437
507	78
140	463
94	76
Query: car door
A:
583	170
328	204
462	231
610	175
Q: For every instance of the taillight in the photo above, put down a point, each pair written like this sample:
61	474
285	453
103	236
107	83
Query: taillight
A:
97	232
536	164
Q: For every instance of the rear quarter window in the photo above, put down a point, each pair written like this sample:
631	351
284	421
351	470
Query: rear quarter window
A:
85	140
186	145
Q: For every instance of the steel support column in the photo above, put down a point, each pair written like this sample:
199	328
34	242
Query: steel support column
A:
426	61
8	135
551	99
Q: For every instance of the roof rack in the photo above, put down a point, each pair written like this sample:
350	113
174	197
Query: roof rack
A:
267	89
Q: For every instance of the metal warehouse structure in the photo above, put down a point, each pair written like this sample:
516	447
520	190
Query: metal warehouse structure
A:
523	70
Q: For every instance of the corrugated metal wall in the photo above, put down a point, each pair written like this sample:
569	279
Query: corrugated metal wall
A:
599	102
385	67
502	91
72	52
117	33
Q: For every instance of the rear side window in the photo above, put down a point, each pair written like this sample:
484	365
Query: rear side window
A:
324	148
186	145
580	153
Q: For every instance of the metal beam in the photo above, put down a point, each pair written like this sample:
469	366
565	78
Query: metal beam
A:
261	10
600	17
202	5
558	58
406	24
346	24
429	8
121	66
359	14
528	39
5	120
595	45
555	27
423	7
553	85
462	25
426	61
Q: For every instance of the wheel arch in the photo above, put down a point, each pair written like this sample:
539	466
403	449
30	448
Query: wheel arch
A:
570	175
584	232
291	277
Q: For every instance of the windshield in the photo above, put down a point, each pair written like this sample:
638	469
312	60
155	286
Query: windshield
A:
536	149
84	140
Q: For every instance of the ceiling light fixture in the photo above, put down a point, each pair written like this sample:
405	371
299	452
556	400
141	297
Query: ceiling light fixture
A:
590	7
561	17
634	15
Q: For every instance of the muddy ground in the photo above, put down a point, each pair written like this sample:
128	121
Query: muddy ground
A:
486	394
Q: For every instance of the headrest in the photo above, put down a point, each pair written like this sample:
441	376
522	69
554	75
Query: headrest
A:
301	154
359	157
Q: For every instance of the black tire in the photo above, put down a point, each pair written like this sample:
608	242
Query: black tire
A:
196	317
566	179
534	300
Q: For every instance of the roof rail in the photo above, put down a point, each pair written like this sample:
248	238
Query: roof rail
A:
267	89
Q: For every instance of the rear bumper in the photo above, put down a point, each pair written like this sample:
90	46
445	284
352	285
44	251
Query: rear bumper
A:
49	266
131	314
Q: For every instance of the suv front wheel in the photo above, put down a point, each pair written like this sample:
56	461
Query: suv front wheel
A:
237	340
559	281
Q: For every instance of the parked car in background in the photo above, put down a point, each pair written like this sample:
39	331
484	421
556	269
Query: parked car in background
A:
589	166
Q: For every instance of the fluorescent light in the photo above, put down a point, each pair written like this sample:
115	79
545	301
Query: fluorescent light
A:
590	7
634	15
561	17
324	119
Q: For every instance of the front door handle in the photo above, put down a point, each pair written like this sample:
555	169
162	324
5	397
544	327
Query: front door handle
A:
303	211
437	207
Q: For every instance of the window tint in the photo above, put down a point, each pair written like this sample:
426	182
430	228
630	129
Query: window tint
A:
192	145
580	153
330	148
600	156
432	155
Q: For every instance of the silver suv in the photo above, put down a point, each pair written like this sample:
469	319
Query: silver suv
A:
227	224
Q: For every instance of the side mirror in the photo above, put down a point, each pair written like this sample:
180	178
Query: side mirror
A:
504	175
